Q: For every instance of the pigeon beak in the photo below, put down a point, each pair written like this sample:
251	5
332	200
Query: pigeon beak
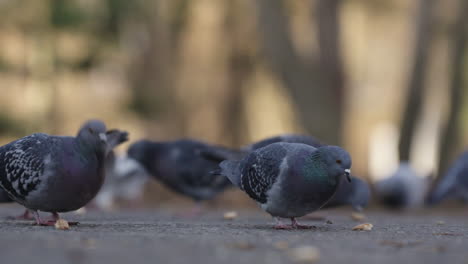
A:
348	174
103	137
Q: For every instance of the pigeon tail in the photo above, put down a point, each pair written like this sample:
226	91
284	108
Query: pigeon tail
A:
231	170
219	154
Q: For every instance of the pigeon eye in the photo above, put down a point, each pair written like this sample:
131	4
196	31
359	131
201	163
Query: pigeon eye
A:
338	161
90	130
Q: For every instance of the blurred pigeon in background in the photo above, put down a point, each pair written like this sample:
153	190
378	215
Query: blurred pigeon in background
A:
57	173
220	154
288	138
454	184
289	180
355	193
403	189
180	166
125	181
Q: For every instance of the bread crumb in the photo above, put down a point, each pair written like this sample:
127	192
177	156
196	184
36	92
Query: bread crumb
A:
231	215
62	224
363	227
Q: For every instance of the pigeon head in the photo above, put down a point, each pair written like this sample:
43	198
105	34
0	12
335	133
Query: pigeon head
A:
93	134
337	160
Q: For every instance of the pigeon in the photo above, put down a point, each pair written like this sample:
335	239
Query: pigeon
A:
454	184
180	166
125	181
289	180
57	173
355	193
403	189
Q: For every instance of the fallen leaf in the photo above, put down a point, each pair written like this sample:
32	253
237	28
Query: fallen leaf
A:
62	224
363	227
307	254
440	223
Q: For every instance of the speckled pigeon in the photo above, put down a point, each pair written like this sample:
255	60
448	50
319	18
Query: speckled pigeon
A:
403	189
454	184
56	173
289	180
355	193
180	166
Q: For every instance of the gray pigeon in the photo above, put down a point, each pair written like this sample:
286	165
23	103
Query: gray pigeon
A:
55	173
355	193
289	180
454	184
403	189
180	166
125	181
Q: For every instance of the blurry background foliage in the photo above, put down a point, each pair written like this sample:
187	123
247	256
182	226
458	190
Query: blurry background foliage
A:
384	78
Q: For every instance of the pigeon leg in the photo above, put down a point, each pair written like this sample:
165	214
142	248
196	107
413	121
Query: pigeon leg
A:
41	222
25	216
280	225
296	225
51	222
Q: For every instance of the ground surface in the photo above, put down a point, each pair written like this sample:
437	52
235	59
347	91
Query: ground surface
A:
153	236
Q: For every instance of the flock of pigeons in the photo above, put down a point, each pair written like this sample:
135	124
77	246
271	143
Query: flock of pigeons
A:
289	175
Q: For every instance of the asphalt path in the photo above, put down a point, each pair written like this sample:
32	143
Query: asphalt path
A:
159	236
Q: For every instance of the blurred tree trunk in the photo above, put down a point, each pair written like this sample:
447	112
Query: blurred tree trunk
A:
416	86
151	75
450	133
331	63
317	101
241	65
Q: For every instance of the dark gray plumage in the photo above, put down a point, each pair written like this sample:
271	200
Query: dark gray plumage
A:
355	193
403	189
180	166
289	180
4	198
56	173
454	184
